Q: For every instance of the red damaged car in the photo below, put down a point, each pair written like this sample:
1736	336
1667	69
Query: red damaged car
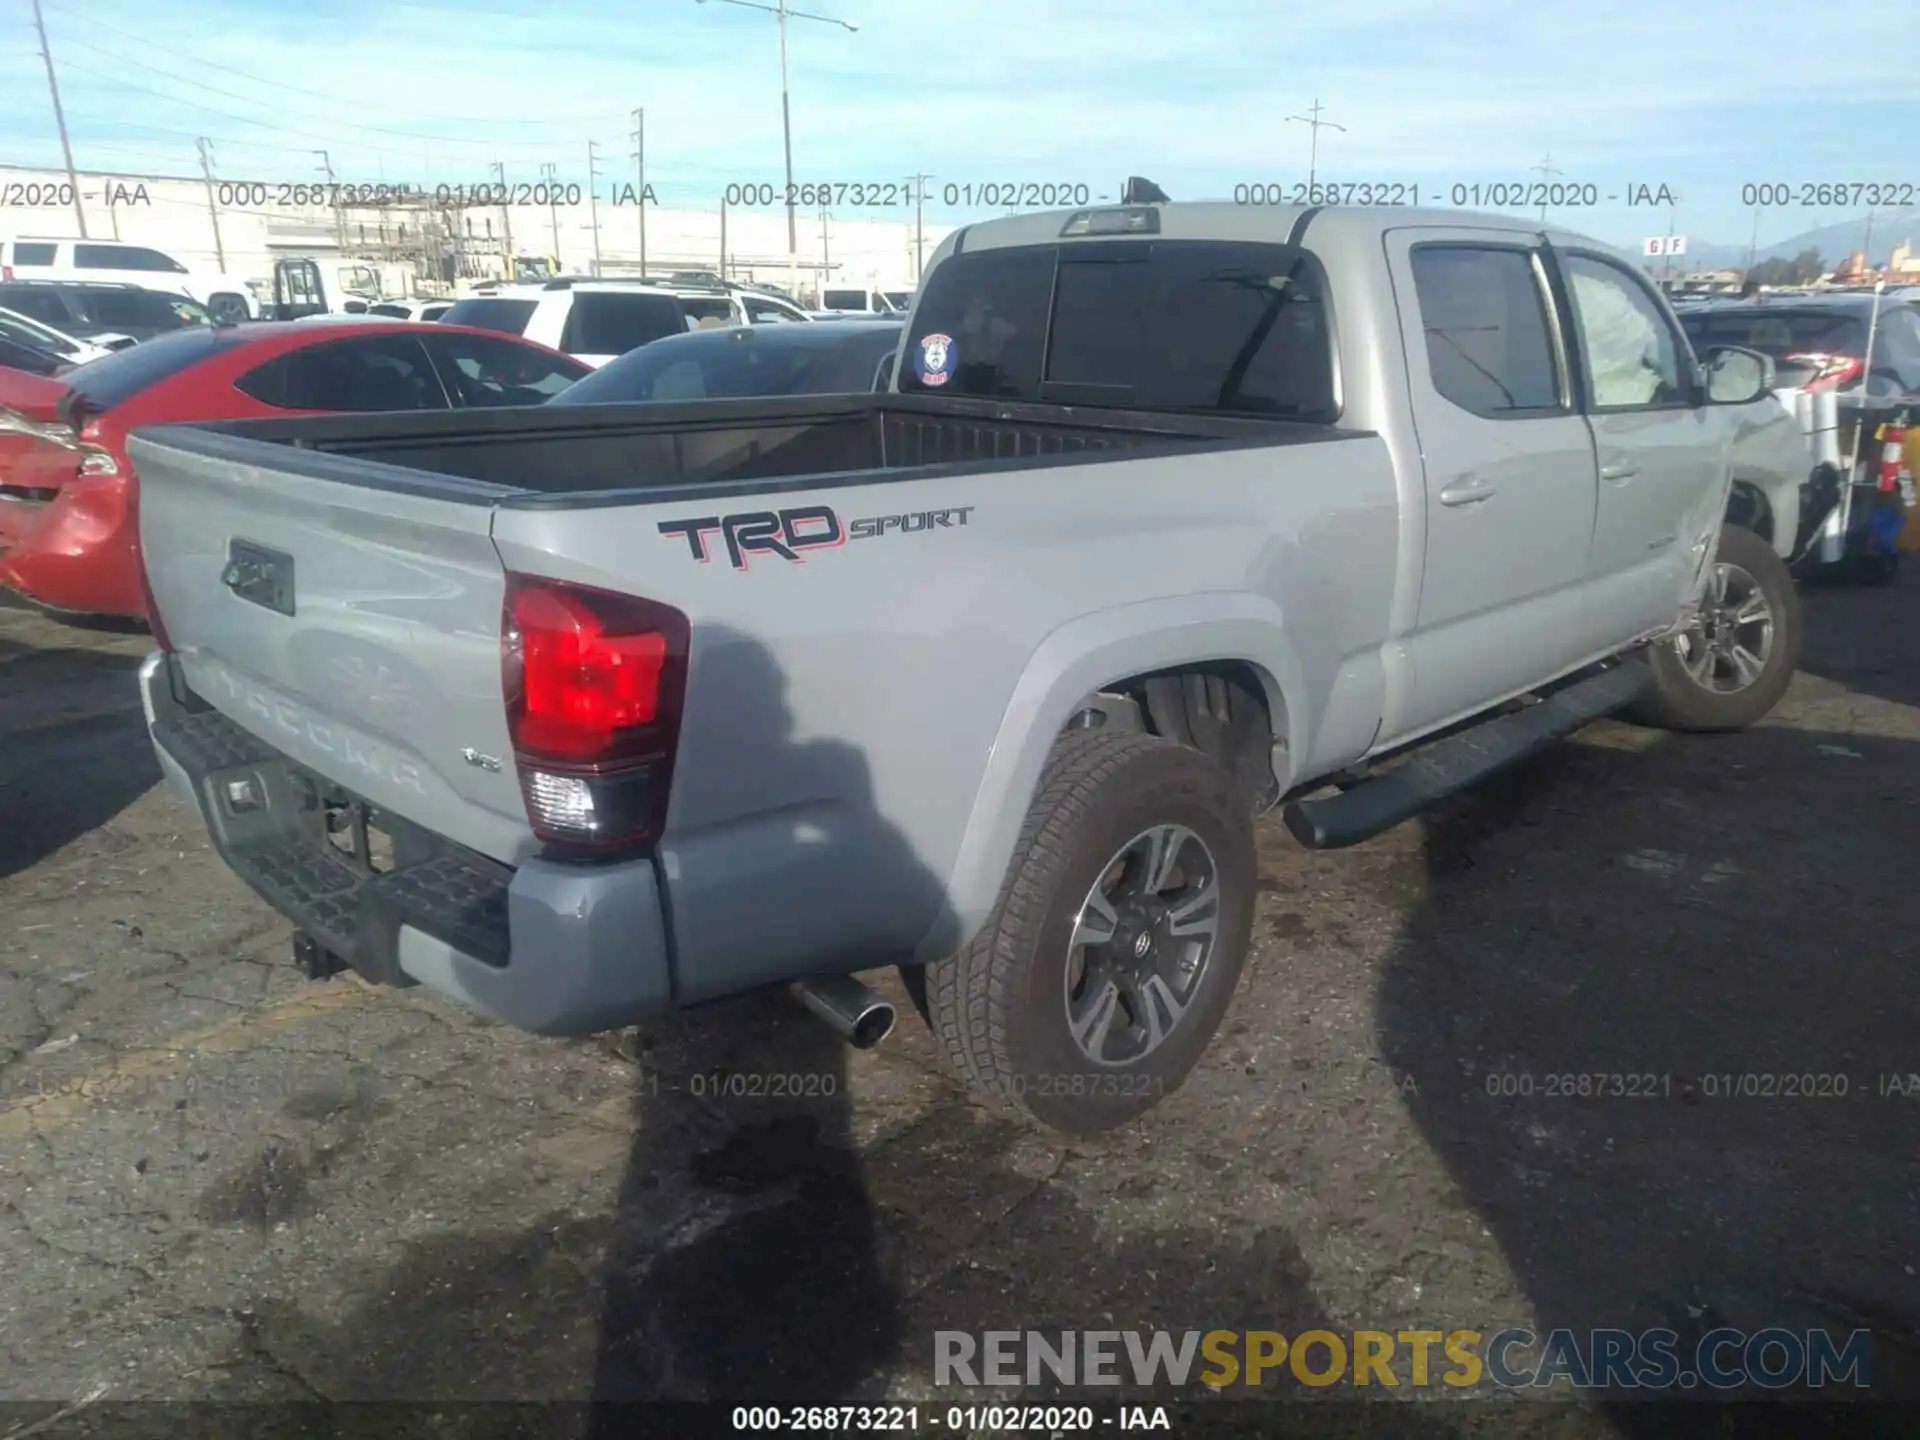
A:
69	541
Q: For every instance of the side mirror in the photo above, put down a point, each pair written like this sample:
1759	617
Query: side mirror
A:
1737	376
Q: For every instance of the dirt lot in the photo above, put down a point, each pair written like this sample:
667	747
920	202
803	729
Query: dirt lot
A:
218	1180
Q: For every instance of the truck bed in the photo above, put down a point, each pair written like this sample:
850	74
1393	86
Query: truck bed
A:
563	456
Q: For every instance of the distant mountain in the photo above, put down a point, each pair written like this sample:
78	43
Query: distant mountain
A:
1834	242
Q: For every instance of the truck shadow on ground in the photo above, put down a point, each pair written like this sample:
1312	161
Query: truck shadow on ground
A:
1682	916
73	748
795	1248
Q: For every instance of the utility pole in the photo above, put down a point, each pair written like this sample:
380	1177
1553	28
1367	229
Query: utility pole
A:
1666	260
506	219
1753	244
723	236
333	202
1866	248
213	210
640	167
919	227
1312	119
593	200
60	120
548	172
1543	170
826	262
782	13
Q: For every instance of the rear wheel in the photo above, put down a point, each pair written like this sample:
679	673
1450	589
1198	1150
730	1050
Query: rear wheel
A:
1095	986
1730	668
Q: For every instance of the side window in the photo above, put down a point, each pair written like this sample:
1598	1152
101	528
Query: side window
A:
1489	348
684	380
373	373
42	305
27	252
1632	356
609	323
1901	351
483	372
766	312
101	257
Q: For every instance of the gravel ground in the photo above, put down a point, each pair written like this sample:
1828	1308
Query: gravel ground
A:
218	1181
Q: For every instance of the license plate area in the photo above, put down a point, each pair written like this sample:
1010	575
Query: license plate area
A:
358	833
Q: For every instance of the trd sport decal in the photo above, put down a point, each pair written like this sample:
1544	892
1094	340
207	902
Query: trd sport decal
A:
789	534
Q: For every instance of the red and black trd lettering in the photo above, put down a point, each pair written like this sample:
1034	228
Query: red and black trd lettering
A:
790	533
696	532
812	527
757	532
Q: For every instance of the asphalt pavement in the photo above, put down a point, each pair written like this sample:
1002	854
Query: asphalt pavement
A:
219	1181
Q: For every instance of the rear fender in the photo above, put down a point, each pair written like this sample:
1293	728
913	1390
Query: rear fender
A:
1078	659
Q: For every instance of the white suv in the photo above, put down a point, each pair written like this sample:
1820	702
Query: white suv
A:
596	320
226	297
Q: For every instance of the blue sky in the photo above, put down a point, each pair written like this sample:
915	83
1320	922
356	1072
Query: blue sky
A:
1704	97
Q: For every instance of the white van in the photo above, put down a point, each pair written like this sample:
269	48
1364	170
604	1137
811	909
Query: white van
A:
859	302
226	297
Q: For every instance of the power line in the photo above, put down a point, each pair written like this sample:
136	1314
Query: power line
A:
189	102
280	85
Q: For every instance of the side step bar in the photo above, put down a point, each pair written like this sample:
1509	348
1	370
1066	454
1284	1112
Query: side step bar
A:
1460	761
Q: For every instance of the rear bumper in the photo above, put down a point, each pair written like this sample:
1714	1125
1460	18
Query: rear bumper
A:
75	553
552	948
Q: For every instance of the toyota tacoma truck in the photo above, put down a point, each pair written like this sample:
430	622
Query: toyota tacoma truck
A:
1174	514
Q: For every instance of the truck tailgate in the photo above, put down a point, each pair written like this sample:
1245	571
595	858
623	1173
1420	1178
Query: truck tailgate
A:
355	627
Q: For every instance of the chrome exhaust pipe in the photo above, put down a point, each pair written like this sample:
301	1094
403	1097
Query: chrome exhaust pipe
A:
855	1013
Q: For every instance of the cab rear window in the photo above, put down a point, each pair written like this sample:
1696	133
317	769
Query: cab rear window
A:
1173	325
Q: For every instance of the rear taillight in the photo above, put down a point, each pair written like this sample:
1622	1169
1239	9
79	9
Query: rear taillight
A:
6	272
594	682
95	458
1831	372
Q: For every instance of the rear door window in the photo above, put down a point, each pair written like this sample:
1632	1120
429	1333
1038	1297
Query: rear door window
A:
1489	350
30	252
143	310
1181	325
125	257
844	300
49	307
508	317
483	372
603	322
370	373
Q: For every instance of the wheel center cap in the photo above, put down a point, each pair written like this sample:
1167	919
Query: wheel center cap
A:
1142	943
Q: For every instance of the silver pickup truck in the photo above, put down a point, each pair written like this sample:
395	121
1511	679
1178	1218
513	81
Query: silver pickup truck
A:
1175	513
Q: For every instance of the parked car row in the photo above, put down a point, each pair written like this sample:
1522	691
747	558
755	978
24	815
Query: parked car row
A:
226	297
66	483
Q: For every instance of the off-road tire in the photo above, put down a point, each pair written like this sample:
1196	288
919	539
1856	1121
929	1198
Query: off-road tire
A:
1677	702
998	1006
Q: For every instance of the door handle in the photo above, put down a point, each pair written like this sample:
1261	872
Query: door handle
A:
1623	470
1467	492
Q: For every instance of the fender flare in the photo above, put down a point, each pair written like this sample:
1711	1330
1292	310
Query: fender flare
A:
1073	662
